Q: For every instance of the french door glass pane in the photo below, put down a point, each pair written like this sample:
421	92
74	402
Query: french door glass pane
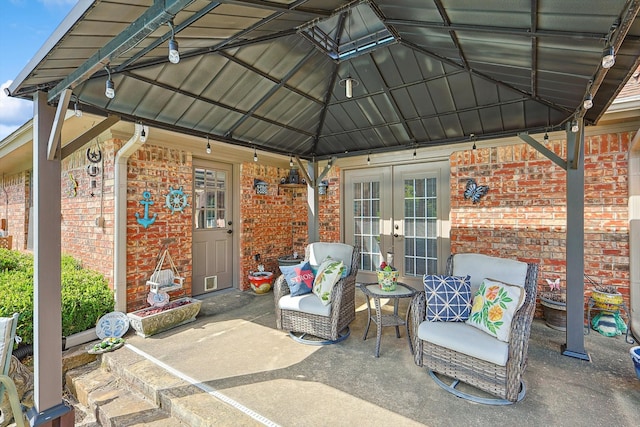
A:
420	233
366	221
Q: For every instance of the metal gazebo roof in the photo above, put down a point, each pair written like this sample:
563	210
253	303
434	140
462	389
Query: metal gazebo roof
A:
271	74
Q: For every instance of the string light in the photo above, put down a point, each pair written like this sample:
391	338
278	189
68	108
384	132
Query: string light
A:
255	155
368	159
290	160
174	54
546	136
208	146
110	88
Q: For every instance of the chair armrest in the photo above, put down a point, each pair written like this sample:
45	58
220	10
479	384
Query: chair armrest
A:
280	288
418	315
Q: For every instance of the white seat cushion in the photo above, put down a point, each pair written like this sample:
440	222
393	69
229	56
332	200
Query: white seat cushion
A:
466	339
307	303
481	267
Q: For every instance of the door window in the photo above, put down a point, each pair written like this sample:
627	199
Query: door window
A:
210	198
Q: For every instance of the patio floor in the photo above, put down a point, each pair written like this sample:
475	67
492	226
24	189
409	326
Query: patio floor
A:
234	349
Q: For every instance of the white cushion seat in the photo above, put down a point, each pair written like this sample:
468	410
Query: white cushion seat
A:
462	338
307	303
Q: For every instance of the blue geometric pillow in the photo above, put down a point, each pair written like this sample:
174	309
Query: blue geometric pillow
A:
448	298
299	277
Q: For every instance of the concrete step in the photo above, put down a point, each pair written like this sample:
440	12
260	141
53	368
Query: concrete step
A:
123	388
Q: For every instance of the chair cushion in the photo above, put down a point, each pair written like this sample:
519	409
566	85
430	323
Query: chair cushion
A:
328	275
494	305
299	277
319	251
465	339
308	303
480	266
448	298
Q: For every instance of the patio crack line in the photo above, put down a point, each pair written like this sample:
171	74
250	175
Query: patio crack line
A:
207	389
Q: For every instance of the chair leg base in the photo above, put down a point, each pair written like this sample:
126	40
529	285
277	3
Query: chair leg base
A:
451	388
308	339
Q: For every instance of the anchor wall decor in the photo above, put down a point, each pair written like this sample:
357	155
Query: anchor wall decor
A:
146	221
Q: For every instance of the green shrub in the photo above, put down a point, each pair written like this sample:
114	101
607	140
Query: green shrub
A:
85	294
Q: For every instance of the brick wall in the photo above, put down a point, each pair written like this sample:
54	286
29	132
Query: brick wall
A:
157	170
15	201
524	214
84	200
275	224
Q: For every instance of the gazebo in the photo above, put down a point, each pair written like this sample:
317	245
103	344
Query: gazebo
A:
320	81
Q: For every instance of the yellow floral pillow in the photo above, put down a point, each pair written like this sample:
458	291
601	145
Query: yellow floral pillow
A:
494	305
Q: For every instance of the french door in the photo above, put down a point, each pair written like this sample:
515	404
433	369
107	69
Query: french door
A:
399	214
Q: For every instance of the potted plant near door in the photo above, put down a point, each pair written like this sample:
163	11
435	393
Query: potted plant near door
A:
554	305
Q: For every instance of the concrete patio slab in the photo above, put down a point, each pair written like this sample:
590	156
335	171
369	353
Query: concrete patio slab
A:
234	354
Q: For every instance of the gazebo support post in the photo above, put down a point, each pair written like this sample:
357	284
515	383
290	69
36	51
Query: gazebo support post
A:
574	347
49	409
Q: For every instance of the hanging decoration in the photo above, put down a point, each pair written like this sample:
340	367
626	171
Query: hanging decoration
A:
176	200
73	186
474	191
94	156
146	221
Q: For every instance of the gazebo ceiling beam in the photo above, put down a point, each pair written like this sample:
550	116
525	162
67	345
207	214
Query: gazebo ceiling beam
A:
158	14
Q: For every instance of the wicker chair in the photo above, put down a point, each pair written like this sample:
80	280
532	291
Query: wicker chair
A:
316	329
505	382
13	409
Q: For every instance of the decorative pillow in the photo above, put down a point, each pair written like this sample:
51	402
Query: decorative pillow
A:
328	275
299	277
448	298
493	308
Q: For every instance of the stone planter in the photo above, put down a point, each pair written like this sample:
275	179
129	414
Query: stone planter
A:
152	320
555	313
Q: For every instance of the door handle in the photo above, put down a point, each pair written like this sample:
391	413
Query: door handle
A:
229	231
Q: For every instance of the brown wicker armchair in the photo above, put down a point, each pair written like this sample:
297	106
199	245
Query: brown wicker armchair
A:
502	380
312	328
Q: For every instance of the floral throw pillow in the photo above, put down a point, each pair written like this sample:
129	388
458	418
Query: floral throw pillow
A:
448	298
299	277
494	306
328	275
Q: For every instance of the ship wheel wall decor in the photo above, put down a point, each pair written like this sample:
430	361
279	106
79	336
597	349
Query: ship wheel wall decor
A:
176	200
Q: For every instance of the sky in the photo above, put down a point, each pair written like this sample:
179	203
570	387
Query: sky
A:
26	25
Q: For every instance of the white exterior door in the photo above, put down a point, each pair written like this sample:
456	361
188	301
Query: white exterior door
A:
212	227
399	212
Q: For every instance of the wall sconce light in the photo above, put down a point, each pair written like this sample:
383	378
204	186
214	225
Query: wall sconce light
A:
208	146
608	57
110	88
260	186
322	187
174	54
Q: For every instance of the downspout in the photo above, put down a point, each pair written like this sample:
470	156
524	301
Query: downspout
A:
120	236
634	233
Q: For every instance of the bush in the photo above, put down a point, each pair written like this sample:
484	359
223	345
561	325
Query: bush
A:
85	294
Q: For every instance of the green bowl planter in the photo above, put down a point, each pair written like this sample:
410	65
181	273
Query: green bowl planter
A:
152	320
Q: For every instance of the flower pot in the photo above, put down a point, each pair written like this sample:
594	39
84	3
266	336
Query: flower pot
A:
608	302
261	281
387	280
635	356
555	313
152	320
